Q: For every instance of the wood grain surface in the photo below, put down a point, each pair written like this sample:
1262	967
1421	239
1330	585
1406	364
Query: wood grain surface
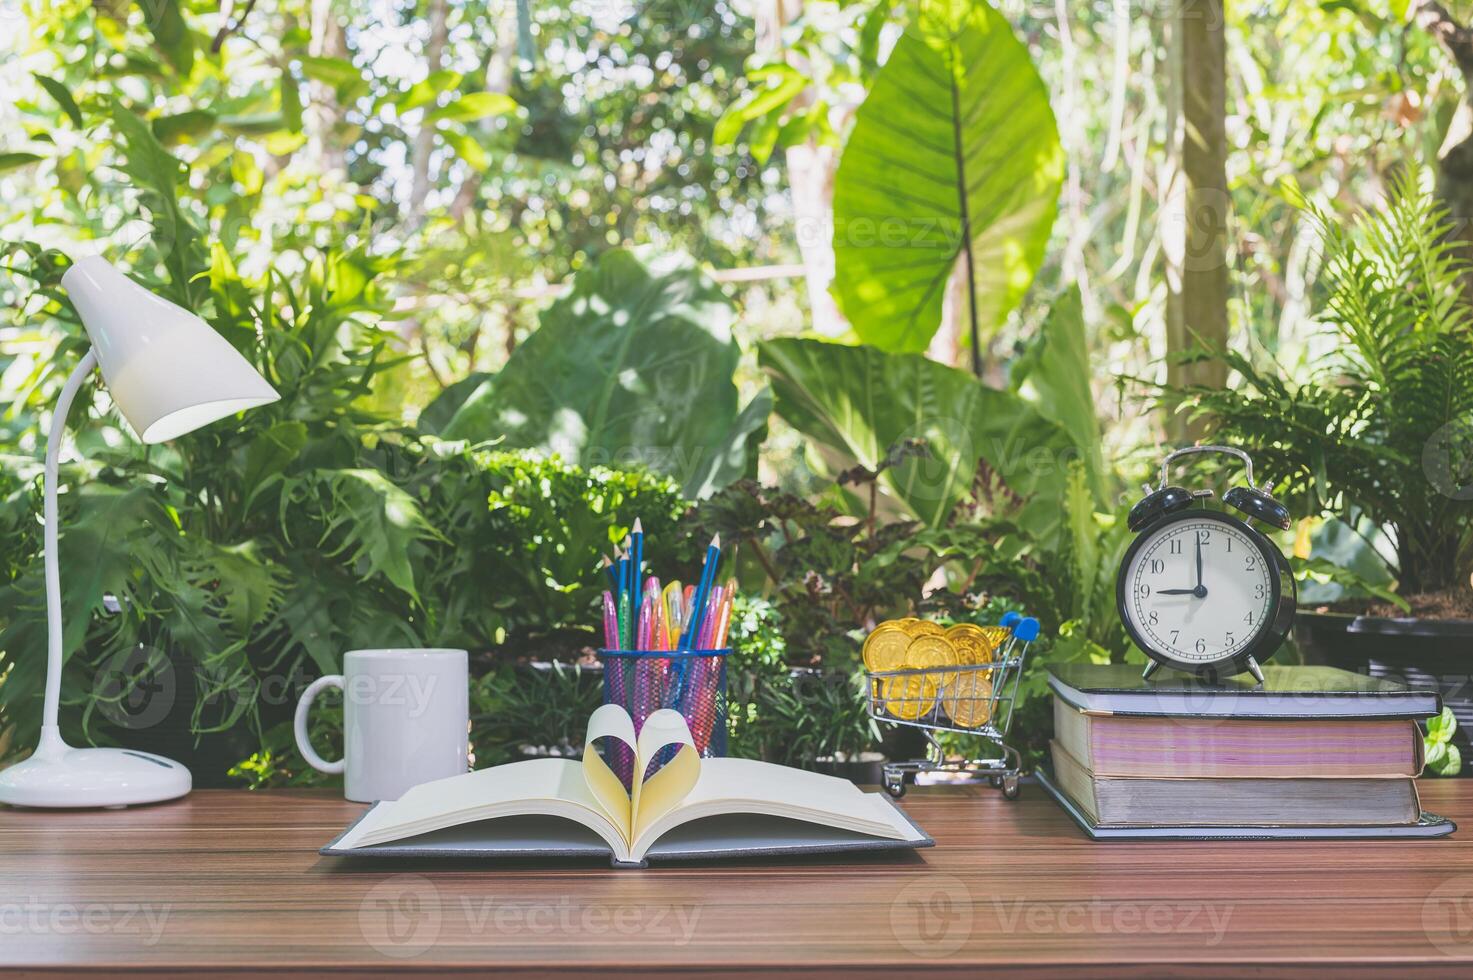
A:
231	883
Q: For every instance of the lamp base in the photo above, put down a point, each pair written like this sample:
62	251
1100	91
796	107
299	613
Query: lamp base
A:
57	775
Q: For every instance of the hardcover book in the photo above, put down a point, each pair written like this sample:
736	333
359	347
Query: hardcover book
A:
1286	692
1269	748
1313	752
690	808
1143	801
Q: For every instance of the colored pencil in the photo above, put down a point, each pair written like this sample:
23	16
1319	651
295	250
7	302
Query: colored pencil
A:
703	591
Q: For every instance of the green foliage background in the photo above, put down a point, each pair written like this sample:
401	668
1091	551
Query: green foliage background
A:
460	236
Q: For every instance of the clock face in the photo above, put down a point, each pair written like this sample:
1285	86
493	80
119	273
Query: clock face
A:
1199	589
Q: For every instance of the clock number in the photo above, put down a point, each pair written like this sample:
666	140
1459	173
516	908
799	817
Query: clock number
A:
1249	564
1175	546
1201	645
1174	635
1260	591
1229	544
1154	618
1204	536
1157	566
1249	618
1143	591
1229	641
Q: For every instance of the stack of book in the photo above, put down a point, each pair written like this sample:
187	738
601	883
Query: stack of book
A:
1312	752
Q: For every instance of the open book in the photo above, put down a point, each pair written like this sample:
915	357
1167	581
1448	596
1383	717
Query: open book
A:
690	808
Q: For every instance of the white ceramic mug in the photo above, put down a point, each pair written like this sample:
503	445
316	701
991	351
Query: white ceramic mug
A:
405	720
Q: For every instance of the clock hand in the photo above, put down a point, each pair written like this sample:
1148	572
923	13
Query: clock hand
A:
1176	591
1199	561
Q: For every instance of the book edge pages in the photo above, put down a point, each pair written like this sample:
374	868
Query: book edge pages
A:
1429	826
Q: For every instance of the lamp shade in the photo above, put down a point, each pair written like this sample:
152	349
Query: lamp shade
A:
167	370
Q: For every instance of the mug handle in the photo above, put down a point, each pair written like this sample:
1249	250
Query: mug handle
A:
304	744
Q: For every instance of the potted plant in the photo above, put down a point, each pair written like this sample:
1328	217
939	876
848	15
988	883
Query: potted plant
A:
1379	437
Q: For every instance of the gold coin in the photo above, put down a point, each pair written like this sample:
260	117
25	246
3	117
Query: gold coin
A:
927	653
930	651
968	698
906	696
921	627
885	648
997	635
972	643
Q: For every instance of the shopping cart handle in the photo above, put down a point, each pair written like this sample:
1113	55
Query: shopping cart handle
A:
1010	618
1027	629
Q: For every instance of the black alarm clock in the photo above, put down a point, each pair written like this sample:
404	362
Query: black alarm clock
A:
1202	590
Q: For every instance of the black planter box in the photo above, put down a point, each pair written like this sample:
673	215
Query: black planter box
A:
1426	654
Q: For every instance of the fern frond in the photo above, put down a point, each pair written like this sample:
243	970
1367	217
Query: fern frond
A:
1353	436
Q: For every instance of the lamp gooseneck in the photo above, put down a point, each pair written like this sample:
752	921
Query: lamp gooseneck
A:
50	732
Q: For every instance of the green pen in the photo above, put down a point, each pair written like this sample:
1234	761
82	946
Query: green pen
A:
625	641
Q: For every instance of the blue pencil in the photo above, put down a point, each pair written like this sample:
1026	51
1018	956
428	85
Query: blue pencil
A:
703	591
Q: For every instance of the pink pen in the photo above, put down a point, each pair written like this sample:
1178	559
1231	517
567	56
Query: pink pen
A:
723	617
647	622
611	623
708	626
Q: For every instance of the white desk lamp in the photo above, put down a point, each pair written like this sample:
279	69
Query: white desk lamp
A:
169	373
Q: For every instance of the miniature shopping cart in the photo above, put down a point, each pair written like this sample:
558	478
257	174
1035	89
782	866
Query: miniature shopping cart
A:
975	699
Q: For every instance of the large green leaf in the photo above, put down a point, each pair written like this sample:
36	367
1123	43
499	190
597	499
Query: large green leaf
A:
63	98
855	402
364	518
954	153
634	365
12	161
166	21
157	174
1056	367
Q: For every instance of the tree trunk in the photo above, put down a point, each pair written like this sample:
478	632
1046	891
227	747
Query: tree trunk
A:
424	140
323	114
500	71
1195	206
811	168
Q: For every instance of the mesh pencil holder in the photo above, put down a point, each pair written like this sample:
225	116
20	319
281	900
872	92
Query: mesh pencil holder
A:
692	682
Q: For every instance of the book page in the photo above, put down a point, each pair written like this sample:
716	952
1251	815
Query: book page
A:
728	786
480	795
659	794
609	721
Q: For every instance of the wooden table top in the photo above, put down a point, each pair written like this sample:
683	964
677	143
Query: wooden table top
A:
231	882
